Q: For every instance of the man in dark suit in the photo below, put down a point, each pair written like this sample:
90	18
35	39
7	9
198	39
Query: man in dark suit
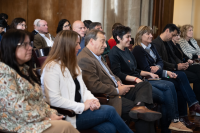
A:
173	63
5	17
127	99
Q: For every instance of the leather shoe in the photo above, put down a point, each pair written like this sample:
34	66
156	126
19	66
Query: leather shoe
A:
143	113
186	121
178	126
194	109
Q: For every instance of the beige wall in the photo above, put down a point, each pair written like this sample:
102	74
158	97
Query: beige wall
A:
187	12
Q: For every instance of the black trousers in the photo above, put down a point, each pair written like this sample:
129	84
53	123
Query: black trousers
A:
193	75
142	92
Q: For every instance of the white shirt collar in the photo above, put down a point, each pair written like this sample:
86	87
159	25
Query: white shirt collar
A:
98	57
144	46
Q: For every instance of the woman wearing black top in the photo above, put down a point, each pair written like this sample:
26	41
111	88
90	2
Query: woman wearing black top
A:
124	65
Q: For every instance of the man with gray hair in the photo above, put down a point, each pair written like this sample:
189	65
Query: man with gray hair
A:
35	31
44	38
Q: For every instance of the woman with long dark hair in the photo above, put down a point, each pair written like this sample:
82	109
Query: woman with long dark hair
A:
18	23
22	105
63	24
64	87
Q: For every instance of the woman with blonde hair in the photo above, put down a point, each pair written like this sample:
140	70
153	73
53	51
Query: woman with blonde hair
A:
188	43
64	87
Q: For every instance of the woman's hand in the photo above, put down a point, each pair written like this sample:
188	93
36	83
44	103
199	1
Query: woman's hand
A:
154	69
95	105
56	117
138	80
153	75
87	104
171	74
190	61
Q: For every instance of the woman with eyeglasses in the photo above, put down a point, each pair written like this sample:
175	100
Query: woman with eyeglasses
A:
63	24
22	107
18	23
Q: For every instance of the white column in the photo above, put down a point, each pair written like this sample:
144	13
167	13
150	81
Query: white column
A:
92	10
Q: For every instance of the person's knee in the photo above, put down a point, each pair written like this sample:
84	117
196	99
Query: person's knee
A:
108	108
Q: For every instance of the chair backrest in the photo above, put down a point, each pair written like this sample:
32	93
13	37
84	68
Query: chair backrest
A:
41	60
42	52
107	60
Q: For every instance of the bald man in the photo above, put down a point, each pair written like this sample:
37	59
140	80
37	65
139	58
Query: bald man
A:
79	27
44	38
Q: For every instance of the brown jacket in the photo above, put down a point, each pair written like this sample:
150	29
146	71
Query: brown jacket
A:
96	78
39	42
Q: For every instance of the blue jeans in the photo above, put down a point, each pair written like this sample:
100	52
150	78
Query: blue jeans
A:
164	93
104	120
185	88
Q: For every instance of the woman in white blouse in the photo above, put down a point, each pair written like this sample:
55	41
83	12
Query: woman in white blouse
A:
64	87
188	43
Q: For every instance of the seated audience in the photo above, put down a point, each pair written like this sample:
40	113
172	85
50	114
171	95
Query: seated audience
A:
63	24
87	24
44	38
97	26
2	26
35	24
79	27
5	17
64	88
130	101
124	65
192	68
188	43
111	41
149	60
23	108
18	23
172	63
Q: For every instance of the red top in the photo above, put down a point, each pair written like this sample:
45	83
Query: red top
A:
112	43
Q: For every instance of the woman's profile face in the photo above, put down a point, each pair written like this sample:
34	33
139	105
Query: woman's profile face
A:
176	38
147	38
125	41
189	32
77	45
23	51
21	26
66	26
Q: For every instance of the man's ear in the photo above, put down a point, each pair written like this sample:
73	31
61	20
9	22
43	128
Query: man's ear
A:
91	41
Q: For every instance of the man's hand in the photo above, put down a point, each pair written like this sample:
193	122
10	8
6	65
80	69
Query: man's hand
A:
171	74
138	80
154	69
183	66
123	89
190	61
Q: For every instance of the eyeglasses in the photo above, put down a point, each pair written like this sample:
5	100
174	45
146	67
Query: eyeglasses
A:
67	26
25	44
23	25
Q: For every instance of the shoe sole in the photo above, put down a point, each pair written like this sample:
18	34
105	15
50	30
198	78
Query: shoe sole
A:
149	116
177	129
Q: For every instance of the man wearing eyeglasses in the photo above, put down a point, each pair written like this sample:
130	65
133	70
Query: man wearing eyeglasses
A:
44	38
